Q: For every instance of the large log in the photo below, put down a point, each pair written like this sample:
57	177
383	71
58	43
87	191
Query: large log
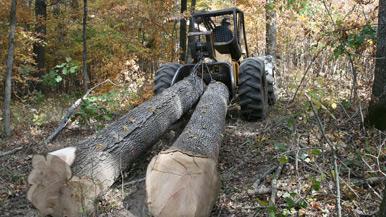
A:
98	161
183	180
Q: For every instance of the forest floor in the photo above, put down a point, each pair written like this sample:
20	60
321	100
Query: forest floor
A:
288	148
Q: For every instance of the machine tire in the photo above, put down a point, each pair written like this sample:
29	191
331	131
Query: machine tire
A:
253	90
164	76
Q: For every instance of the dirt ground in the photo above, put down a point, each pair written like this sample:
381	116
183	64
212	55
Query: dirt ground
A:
248	151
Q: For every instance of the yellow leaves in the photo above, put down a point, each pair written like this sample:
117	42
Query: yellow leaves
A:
303	18
333	105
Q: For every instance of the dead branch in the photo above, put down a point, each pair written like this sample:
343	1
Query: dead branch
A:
70	112
2	154
370	181
336	169
305	74
261	177
274	185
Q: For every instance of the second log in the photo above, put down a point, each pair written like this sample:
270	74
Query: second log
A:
183	180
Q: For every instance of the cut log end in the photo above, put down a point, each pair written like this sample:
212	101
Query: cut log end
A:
55	191
197	181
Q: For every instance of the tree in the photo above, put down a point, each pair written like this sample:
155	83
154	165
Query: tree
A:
193	6
86	79
184	6
8	80
377	109
382	207
40	30
270	28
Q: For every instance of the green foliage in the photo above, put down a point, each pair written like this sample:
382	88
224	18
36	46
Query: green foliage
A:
272	210
56	75
355	41
300	6
283	159
281	147
37	97
93	109
39	119
291	122
316	152
315	184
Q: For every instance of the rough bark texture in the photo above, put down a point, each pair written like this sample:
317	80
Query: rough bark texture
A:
206	125
193	6
86	79
98	161
183	180
8	80
270	28
124	140
184	7
40	30
377	109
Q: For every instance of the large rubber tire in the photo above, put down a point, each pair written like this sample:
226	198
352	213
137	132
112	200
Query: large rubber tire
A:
271	94
253	90
164	76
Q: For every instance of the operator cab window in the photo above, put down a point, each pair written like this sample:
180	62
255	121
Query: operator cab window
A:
223	32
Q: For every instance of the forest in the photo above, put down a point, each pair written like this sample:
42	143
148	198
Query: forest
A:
193	108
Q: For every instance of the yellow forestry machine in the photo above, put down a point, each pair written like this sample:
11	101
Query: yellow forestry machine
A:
218	51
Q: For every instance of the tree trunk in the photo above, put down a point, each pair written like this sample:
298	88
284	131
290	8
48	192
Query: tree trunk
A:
8	80
377	109
60	28
184	7
74	4
183	180
193	6
40	30
382	207
99	161
270	28
86	79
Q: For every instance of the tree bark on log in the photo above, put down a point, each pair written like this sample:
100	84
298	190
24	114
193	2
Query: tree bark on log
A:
98	161
183	180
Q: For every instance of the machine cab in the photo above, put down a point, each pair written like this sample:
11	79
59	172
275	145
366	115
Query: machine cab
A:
228	31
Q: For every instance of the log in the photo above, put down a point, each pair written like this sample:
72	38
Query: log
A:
183	180
97	162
